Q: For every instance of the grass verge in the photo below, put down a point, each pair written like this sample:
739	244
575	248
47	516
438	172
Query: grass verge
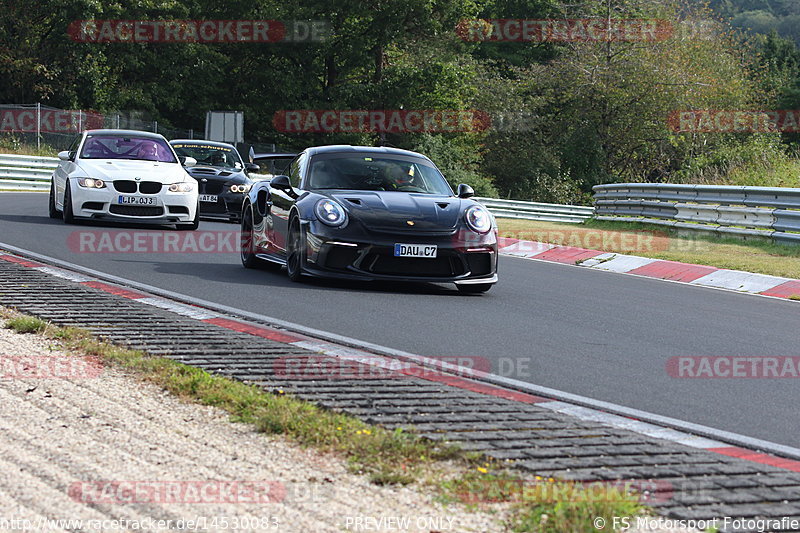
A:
387	457
24	144
545	505
658	243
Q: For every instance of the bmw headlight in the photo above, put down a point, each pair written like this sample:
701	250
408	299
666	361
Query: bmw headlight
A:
241	188
478	219
91	183
185	186
330	212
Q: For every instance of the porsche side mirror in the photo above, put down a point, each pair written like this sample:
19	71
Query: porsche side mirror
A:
281	183
252	167
465	191
187	161
64	156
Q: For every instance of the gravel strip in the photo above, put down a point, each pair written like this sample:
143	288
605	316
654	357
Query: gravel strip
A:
58	433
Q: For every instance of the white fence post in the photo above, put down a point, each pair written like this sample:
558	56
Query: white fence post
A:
38	125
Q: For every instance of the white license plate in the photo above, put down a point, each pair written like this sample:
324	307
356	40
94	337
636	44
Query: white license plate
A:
211	198
136	200
425	251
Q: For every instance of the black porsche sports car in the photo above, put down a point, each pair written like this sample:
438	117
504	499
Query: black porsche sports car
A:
358	212
221	175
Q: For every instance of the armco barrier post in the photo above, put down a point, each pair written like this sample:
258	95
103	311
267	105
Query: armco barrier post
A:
38	125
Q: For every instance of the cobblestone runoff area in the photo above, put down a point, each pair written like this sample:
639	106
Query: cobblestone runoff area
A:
686	482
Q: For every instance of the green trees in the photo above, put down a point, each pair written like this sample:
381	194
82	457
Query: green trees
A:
565	115
762	16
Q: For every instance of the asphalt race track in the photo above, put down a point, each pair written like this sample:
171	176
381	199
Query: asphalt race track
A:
602	335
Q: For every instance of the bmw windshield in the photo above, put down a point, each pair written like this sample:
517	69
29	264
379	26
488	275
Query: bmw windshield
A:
127	147
210	155
367	172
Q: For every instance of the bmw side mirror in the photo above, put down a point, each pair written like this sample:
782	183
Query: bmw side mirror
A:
187	161
465	191
64	156
252	167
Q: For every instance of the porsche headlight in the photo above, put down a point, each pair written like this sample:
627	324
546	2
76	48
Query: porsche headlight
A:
91	183
184	186
478	219
330	212
241	188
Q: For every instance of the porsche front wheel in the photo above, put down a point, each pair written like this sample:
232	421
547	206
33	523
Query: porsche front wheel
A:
294	251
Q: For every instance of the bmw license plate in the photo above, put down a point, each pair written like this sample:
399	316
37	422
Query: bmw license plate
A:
425	251
211	198
136	200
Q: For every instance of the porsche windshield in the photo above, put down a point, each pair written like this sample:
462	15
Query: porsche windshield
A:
122	147
376	173
210	155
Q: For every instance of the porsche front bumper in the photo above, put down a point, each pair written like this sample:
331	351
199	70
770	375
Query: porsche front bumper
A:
463	257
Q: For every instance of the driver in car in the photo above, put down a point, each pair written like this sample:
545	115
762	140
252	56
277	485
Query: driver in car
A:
148	151
218	159
400	177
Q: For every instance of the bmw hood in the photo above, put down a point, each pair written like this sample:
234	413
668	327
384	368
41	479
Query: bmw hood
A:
124	169
217	174
395	210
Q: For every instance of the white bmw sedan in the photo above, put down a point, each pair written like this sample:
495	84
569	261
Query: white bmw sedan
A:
124	175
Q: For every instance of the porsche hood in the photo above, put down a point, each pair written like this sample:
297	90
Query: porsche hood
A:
400	210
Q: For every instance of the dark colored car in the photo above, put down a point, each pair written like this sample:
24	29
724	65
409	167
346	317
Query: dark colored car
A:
367	213
222	176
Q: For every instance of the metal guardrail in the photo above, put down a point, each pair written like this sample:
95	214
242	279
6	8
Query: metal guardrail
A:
26	172
537	211
32	173
740	211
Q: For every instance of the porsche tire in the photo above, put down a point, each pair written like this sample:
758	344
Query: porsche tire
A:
294	251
